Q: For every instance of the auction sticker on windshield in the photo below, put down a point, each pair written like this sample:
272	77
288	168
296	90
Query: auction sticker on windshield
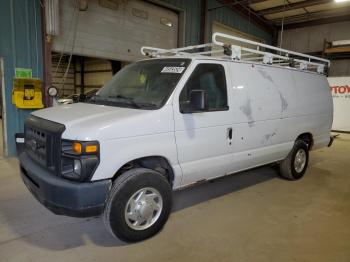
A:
173	69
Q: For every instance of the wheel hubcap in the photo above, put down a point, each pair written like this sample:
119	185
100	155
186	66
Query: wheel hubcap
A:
143	208
300	160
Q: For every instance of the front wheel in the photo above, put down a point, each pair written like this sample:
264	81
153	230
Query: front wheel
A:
139	205
293	167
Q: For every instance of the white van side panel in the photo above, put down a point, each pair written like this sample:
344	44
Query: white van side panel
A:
310	107
137	147
271	107
144	137
257	111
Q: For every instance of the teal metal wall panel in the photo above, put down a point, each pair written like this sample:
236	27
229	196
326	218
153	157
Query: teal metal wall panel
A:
20	46
222	15
232	19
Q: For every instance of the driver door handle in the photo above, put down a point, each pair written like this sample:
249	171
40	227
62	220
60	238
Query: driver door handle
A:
229	133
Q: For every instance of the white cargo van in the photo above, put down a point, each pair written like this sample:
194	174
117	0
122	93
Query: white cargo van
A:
171	121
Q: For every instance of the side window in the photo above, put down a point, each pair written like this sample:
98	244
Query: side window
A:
211	79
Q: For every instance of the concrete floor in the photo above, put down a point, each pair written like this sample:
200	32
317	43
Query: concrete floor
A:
252	216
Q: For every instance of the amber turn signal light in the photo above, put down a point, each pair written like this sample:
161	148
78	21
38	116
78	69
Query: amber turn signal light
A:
91	149
81	148
77	148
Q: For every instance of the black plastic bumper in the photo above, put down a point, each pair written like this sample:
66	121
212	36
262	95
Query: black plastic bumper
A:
61	196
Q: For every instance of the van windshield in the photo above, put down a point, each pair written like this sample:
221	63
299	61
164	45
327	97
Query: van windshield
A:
144	84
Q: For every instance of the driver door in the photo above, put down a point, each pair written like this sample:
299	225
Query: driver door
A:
204	139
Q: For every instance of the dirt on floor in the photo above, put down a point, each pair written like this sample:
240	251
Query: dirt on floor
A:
250	216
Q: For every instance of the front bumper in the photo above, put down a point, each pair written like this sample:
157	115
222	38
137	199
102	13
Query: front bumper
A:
61	196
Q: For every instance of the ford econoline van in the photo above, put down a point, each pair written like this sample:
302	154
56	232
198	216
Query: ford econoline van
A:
172	120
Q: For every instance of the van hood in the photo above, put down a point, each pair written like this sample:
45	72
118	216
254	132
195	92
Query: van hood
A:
86	122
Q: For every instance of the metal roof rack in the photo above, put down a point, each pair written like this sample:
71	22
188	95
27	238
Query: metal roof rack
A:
245	50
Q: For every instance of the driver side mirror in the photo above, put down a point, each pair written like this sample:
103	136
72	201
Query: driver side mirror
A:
198	101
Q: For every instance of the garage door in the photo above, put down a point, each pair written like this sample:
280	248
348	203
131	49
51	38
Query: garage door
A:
115	29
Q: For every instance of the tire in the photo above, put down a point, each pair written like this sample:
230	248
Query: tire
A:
139	194
292	168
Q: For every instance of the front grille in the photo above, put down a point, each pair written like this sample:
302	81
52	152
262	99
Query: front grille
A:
43	142
36	145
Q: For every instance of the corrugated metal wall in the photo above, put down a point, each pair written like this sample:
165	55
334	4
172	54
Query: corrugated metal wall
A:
20	46
223	15
229	18
311	39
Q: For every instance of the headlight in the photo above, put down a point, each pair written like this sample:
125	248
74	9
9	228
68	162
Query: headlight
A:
79	159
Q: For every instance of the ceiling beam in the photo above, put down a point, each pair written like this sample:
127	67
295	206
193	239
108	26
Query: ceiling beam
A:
251	2
281	8
313	16
322	21
227	4
236	2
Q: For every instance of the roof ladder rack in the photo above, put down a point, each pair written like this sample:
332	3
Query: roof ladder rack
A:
245	50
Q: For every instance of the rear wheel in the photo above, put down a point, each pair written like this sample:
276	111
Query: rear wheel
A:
139	204
294	166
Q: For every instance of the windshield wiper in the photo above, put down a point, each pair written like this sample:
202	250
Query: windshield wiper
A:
129	100
110	100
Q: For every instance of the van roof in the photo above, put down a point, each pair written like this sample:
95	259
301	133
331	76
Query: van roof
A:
237	49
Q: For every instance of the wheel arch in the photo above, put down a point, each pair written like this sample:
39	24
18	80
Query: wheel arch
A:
307	137
157	163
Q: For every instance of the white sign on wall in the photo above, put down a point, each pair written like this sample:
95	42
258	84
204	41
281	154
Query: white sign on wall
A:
340	87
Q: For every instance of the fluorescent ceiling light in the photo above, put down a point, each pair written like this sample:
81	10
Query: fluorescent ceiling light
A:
340	1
